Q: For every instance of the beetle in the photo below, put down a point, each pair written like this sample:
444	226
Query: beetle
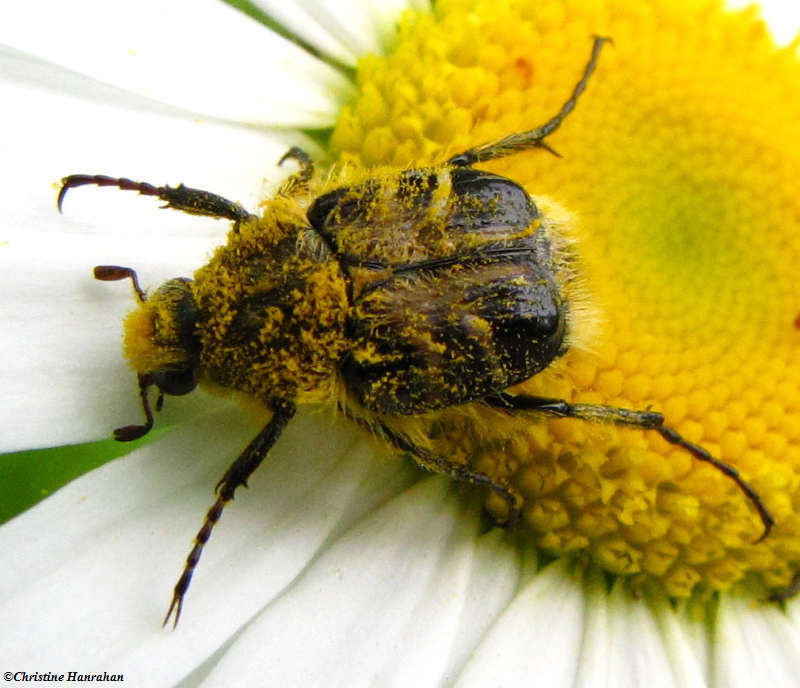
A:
391	294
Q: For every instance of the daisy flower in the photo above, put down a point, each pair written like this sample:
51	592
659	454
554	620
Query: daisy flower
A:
340	565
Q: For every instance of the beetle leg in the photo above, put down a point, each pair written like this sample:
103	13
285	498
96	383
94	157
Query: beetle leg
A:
534	138
184	198
457	471
792	590
299	180
238	474
646	420
439	464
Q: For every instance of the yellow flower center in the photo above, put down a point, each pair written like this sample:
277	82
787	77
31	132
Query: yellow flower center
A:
681	163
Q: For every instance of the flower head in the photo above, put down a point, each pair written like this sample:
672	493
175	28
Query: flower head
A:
337	565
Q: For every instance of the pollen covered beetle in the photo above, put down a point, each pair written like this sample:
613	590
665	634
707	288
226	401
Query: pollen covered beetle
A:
389	293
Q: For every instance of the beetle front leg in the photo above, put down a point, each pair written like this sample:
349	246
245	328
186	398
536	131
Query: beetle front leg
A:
183	198
300	179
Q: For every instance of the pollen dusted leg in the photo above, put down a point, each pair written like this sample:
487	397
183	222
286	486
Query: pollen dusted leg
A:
456	471
299	180
787	593
646	420
238	473
533	138
192	201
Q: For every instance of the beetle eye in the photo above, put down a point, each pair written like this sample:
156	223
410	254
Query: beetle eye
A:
175	382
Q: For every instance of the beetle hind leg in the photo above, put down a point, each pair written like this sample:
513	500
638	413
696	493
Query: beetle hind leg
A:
534	138
787	593
443	466
645	420
459	472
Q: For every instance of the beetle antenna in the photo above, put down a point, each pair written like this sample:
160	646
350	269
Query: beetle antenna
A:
113	273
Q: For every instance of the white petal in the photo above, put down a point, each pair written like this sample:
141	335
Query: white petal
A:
536	641
793	610
200	55
699	640
637	652
64	379
593	665
383	15
756	644
493	583
633	642
63	376
393	7
783	17
57	122
87	573
685	642
381	607
297	20
364	26
347	21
